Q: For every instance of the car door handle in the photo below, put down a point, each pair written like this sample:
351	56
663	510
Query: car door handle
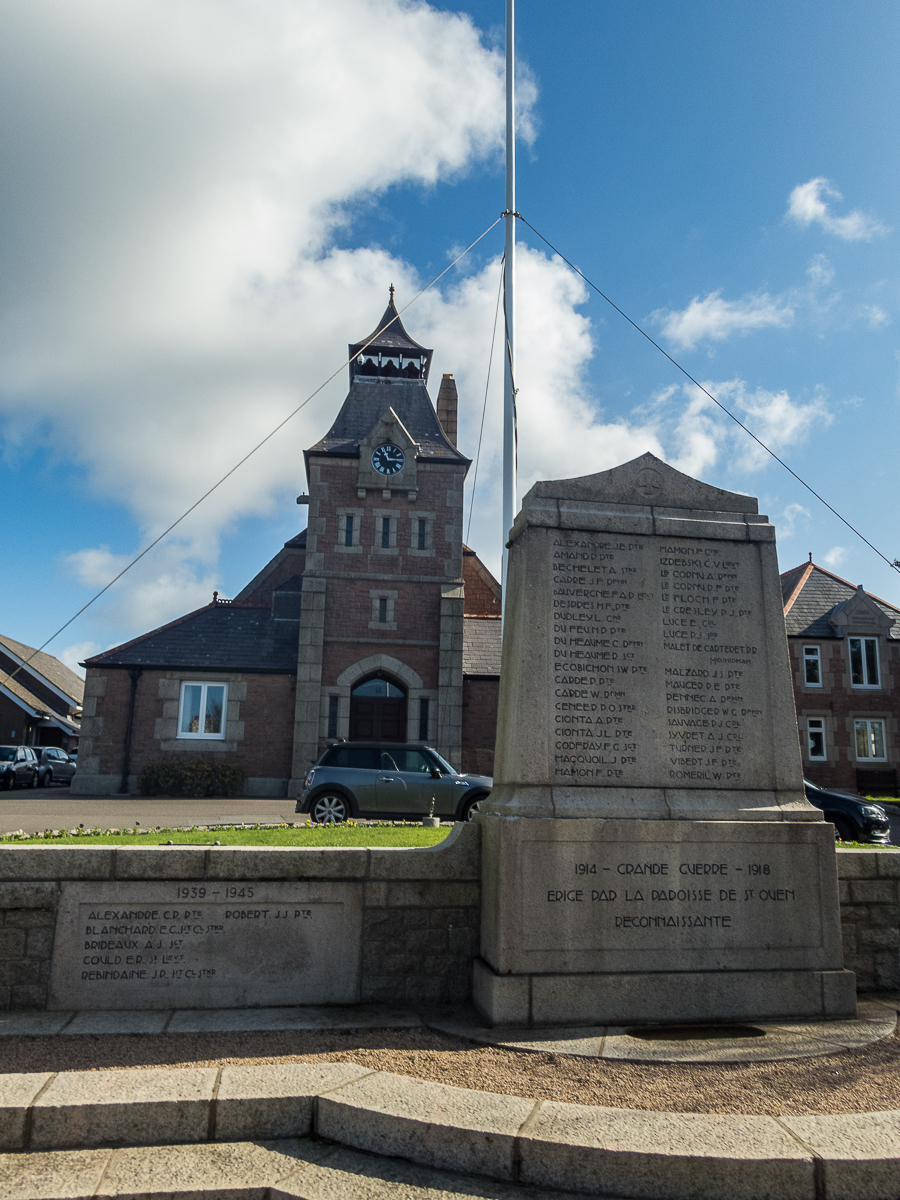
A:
385	779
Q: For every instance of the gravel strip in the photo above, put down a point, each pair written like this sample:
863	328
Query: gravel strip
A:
850	1081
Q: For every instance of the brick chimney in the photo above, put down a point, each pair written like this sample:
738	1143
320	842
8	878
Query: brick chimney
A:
447	405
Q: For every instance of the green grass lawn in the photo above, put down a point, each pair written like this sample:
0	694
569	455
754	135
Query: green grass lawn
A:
279	835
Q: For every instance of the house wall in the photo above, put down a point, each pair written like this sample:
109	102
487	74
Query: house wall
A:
420	908
839	705
258	728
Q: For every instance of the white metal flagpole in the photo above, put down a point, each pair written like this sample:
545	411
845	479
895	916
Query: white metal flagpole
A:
509	394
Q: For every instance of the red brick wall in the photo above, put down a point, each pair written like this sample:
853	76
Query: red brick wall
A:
479	727
482	590
839	704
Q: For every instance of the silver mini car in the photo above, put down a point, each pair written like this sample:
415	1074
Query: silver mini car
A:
365	779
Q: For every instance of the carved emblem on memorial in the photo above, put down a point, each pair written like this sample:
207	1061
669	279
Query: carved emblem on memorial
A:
648	836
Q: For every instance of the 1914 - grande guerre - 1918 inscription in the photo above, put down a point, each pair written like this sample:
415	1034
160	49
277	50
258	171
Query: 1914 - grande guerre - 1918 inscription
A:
648	851
205	945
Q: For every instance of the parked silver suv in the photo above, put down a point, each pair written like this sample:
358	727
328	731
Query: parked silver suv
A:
366	779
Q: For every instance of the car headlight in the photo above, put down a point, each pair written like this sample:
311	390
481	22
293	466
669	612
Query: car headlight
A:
308	781
872	810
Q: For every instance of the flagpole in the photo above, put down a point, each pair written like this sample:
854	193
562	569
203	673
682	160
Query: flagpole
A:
509	395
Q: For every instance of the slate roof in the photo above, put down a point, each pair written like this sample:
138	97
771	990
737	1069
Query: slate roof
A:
481	645
394	337
49	667
218	637
367	402
811	594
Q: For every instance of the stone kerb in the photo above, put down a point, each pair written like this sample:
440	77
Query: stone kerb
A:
553	1145
408	919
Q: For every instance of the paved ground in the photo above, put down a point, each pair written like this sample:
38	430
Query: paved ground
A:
56	808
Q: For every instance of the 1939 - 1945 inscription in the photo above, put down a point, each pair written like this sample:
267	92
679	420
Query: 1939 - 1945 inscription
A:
167	945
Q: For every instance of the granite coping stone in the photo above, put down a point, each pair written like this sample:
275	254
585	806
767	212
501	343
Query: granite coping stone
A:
552	1145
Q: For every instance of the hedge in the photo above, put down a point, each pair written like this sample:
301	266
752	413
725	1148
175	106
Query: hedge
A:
193	780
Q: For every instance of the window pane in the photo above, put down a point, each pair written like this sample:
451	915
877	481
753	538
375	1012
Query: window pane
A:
354	757
862	739
856	663
411	760
811	662
385	532
871	661
348	532
421	534
190	708
423	720
382	610
332	716
215	702
877	738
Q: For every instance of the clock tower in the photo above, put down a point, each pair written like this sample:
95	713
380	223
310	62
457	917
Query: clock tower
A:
381	627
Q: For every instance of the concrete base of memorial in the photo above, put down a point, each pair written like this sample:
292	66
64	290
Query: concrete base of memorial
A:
624	921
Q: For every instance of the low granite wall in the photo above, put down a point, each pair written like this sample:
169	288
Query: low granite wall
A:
420	909
869	882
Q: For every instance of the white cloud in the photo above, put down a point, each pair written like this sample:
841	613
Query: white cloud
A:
875	316
834	557
786	523
714	319
77	653
819	271
807	206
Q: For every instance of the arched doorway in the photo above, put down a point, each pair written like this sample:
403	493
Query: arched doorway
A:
377	711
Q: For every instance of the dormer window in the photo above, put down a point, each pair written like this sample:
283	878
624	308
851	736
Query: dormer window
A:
864	671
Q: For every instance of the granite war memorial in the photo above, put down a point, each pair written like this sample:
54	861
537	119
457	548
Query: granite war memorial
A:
648	850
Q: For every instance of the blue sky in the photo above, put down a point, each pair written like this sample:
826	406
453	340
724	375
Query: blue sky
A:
204	203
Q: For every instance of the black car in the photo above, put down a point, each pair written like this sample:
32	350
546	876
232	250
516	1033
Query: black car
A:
855	818
388	780
18	767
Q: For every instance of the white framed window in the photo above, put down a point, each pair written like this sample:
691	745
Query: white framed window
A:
812	666
815	738
201	712
870	741
864	662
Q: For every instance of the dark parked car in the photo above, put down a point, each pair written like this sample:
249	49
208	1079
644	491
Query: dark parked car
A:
855	818
388	780
18	767
54	766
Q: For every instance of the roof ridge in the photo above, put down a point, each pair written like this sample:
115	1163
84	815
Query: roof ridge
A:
854	586
95	659
789	603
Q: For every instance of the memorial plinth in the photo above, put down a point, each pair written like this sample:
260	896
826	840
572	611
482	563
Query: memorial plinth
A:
648	852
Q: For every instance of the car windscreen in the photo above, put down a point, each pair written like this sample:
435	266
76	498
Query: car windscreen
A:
443	764
7	753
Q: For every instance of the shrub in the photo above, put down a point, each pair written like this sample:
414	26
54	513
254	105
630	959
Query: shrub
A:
192	780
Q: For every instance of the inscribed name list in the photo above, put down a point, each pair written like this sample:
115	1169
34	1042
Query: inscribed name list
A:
658	671
208	945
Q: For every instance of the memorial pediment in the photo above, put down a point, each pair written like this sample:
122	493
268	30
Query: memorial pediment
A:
860	614
645	481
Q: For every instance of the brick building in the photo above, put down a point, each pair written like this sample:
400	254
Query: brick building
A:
845	657
374	623
40	698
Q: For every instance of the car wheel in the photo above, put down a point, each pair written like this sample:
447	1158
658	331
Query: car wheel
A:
8	780
47	780
36	780
467	809
844	829
329	808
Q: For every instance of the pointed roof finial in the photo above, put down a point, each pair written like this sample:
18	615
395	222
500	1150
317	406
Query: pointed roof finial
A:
392	293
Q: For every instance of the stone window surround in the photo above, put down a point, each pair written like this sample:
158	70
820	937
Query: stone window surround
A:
886	724
429	518
855	637
380	514
169	692
383	594
389	666
203	684
815	656
816	724
342	514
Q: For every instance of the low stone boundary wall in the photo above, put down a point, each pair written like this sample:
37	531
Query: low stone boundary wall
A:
420	909
869	882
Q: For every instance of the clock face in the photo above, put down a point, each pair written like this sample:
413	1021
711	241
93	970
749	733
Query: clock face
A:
388	459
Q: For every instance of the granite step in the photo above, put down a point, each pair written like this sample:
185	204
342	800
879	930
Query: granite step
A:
545	1144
